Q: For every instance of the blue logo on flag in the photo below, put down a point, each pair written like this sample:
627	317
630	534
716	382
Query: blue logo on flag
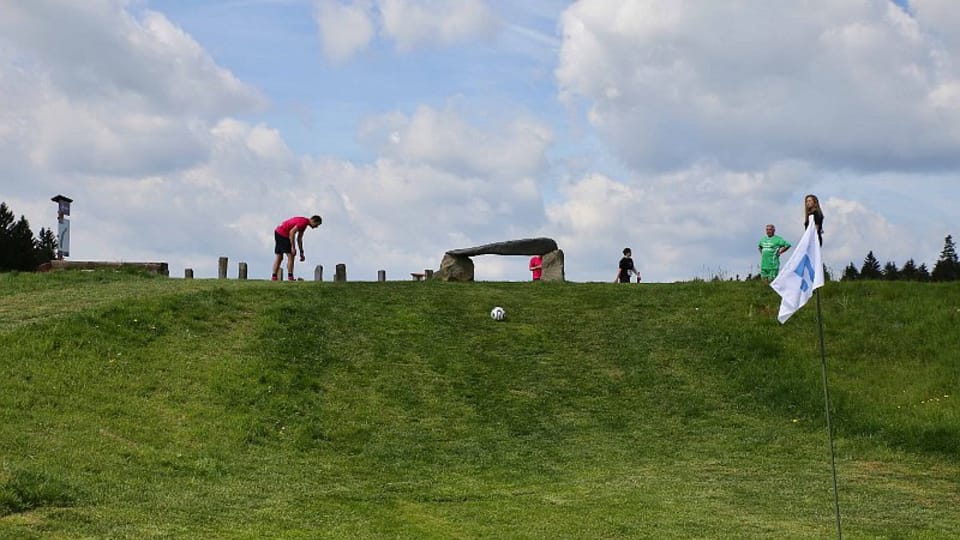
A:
803	268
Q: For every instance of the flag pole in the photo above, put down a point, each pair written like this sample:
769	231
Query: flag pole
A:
826	400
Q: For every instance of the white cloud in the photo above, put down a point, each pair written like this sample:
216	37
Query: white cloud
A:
940	20
840	84
853	229
348	26
416	23
446	139
100	138
345	29
90	89
98	50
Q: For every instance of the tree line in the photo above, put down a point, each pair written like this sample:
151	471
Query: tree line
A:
19	248
947	267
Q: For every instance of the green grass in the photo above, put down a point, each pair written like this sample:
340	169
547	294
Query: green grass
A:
137	407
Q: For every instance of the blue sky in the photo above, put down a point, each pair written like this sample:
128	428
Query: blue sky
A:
186	130
275	43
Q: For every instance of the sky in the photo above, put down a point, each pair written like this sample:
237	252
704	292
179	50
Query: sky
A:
186	130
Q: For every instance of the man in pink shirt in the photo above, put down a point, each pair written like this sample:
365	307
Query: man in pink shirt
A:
284	235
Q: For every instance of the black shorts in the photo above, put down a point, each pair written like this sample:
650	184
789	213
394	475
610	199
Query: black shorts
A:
282	244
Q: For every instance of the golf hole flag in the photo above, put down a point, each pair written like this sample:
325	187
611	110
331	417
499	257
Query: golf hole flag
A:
802	274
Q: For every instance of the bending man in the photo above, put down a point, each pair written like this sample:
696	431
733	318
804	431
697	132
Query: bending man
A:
284	235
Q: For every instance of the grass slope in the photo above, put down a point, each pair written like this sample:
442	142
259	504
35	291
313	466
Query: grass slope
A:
134	407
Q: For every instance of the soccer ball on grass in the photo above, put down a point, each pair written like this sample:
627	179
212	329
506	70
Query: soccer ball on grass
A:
498	314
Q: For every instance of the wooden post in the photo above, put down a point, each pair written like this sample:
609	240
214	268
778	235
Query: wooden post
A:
341	273
188	273
318	273
428	274
243	271
381	275
222	270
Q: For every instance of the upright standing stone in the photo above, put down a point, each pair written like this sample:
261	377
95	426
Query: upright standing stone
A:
381	275
428	274
188	273
222	271
318	273
552	264
242	274
341	273
455	268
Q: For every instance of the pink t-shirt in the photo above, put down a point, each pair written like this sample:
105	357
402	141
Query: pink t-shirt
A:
537	272
299	223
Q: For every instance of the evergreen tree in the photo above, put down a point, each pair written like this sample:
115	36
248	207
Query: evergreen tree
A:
870	268
6	221
922	273
850	272
20	249
909	271
46	246
948	266
890	271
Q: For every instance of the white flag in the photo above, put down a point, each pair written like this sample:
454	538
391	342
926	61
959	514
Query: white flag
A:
802	274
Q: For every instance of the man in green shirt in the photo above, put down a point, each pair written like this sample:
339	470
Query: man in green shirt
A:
771	247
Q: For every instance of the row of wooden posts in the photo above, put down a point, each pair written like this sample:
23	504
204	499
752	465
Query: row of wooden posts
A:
339	275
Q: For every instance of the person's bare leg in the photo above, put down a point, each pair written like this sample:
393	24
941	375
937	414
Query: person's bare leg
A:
289	265
276	264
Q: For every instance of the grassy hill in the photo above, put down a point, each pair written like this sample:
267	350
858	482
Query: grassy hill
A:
138	407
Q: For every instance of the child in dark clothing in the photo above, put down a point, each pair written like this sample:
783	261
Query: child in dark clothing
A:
626	268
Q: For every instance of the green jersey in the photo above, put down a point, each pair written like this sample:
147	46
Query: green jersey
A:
770	247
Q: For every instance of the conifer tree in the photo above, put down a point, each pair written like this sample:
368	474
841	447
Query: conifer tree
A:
909	271
6	221
850	273
46	246
20	249
870	268
948	266
891	272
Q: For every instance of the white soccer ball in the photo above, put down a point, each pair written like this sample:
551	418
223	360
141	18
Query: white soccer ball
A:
498	314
